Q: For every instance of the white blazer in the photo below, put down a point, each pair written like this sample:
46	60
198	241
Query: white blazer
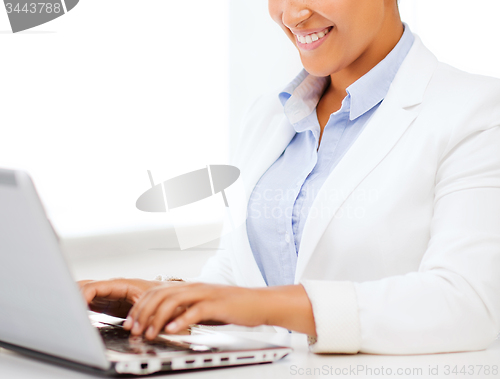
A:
404	255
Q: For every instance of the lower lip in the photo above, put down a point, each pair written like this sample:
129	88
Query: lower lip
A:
312	45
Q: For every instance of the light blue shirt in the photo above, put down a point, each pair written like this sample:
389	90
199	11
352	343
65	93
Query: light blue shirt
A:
281	201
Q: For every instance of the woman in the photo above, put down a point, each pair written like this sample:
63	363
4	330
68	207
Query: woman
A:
379	170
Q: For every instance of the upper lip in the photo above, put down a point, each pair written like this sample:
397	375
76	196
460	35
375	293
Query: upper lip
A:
306	32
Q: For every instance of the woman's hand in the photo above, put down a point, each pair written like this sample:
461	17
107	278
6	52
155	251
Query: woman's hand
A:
114	297
286	306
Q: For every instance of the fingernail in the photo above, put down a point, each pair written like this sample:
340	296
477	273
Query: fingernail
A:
172	327
150	332
128	323
136	328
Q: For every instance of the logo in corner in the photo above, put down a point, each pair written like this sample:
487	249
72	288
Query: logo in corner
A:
26	14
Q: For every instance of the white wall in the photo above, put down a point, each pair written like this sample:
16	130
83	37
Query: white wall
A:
462	33
90	101
262	57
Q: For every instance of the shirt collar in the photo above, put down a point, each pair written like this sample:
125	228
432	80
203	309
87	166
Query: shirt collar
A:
301	96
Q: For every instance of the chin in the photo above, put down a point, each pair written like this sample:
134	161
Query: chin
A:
317	70
323	65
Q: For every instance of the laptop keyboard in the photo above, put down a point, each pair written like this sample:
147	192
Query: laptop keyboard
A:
118	339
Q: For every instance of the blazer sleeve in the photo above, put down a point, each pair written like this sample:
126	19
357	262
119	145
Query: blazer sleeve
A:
452	303
217	270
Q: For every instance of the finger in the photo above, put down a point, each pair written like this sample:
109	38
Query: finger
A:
81	283
178	311
174	296
144	299
147	306
89	292
133	313
193	315
165	312
114	289
93	289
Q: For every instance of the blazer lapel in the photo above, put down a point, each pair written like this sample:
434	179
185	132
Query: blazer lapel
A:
262	155
395	114
255	159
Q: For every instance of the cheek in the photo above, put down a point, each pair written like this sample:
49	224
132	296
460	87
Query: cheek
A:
369	16
275	10
357	25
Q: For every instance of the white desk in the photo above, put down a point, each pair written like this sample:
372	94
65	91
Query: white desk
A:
142	255
299	364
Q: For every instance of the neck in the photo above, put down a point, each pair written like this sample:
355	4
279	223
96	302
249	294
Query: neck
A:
387	38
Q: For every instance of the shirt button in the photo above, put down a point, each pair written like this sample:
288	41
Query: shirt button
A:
287	238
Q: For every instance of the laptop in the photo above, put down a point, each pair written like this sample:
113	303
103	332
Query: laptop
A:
43	313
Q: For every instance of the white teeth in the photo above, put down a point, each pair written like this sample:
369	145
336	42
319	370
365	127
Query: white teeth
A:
313	37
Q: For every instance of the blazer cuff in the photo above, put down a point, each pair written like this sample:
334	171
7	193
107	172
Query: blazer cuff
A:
336	315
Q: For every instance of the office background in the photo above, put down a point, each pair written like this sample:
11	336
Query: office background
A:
92	100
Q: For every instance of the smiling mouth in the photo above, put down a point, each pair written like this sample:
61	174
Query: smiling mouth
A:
313	37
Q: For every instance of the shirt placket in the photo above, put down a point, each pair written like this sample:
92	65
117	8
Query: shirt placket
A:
301	193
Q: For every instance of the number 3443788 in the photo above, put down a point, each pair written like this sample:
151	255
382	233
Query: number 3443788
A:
33	8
